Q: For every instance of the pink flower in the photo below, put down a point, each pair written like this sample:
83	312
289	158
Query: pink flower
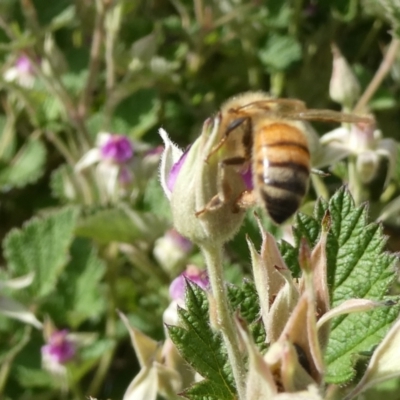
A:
117	149
193	274
173	174
59	349
24	65
113	156
22	72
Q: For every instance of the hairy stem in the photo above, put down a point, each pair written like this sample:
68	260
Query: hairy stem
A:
226	324
380	75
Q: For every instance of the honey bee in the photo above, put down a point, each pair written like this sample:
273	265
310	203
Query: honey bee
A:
268	136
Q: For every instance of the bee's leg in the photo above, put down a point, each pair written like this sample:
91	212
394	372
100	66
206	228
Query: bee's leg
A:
231	128
245	200
319	172
224	194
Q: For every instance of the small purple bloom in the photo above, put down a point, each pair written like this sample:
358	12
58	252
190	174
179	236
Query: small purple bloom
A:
24	65
117	149
173	175
59	349
192	273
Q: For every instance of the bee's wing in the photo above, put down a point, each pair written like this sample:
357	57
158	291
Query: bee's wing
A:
276	105
328	115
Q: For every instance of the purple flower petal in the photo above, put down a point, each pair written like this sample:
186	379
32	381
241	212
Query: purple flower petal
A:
117	149
173	175
59	349
24	65
178	285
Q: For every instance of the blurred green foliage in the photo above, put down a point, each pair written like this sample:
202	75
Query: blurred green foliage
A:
130	67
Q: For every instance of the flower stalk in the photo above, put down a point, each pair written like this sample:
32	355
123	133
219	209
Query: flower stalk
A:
226	323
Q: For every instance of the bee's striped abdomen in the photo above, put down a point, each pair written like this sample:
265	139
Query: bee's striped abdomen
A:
281	168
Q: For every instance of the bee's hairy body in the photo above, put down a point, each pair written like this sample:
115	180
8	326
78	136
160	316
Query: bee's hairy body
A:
269	136
281	168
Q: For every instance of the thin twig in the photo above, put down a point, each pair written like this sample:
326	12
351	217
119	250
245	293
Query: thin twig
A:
94	62
113	21
380	75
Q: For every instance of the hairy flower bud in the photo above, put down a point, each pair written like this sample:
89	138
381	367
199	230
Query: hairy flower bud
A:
343	87
196	179
171	250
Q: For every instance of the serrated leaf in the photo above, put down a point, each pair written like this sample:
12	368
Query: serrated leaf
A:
290	255
203	349
121	224
361	270
79	284
245	299
26	167
358	267
41	247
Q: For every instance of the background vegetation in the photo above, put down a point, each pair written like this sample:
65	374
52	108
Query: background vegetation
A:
130	67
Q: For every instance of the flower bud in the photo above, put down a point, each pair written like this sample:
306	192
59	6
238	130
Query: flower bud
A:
22	72
343	87
178	286
197	179
171	250
116	149
58	351
177	291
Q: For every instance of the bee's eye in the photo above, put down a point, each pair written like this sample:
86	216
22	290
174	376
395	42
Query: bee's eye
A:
235	124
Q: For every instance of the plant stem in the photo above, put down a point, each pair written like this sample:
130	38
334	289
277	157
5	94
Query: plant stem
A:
94	61
112	26
111	253
355	186
383	70
9	358
226	324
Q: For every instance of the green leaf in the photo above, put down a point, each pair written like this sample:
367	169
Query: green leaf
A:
245	299
79	284
41	247
121	224
7	138
62	183
27	166
280	52
154	199
358	267
203	349
146	106
34	378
